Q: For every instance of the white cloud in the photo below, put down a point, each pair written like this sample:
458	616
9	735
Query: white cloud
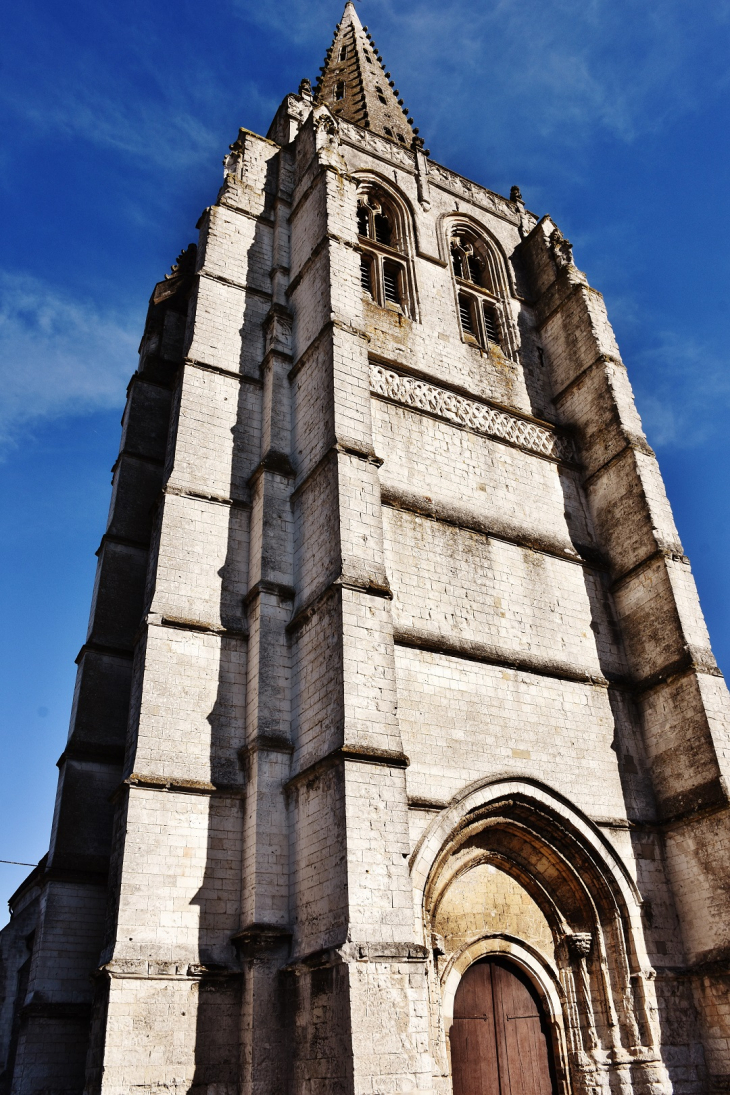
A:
682	391
58	355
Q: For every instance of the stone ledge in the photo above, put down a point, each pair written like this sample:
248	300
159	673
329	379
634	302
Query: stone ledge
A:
661	553
151	970
124	652
472	650
258	939
458	517
689	662
334	322
368	951
206	367
367	455
179	623
276	589
97	752
277	462
254	290
633	444
173	785
121	541
153	461
268	743
389	758
216	499
57	1009
602	359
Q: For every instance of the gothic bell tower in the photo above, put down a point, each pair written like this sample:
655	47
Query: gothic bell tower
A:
398	758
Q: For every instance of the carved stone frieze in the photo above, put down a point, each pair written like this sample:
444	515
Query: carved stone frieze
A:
479	195
471	413
362	138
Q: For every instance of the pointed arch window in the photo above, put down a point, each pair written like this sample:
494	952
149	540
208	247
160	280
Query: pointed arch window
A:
476	275
385	275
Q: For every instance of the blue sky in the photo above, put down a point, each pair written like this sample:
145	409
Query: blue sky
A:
612	116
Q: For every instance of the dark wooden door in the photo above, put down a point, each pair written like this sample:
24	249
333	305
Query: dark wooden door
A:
499	1043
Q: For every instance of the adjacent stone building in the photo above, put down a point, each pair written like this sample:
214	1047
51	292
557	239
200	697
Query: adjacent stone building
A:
398	756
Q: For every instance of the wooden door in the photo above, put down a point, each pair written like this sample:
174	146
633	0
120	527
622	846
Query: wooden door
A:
499	1043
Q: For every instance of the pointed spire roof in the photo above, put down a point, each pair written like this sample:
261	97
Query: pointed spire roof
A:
354	84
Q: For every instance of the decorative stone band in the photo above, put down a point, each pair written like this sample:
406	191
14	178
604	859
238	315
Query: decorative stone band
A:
471	413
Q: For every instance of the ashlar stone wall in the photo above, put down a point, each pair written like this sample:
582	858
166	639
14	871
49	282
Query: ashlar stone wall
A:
395	663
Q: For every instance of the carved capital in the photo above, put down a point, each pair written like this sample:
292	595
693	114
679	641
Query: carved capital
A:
579	944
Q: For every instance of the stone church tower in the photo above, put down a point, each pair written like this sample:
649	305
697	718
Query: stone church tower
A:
398	757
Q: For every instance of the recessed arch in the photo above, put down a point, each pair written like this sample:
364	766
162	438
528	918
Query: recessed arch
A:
568	868
385	228
367	181
448	223
483	284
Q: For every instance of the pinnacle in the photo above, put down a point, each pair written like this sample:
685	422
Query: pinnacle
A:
355	85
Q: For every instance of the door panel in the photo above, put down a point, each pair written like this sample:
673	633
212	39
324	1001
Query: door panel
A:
499	1044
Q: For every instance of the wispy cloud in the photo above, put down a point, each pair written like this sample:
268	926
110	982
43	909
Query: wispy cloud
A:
132	107
682	391
58	355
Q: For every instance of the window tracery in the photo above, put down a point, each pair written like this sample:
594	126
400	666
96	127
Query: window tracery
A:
384	267
478	283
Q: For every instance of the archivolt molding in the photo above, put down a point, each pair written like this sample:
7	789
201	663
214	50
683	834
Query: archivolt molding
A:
542	975
599	989
372	180
483	794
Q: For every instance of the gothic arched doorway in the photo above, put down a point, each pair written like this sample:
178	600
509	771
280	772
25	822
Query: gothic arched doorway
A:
499	1038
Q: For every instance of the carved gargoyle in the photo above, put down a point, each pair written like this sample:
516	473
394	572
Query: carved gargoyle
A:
562	249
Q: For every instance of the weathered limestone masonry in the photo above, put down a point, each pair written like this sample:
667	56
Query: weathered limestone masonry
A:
395	662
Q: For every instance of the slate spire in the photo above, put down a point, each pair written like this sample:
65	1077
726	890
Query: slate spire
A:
355	86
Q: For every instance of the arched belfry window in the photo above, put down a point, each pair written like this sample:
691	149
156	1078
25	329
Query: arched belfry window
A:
480	289
384	266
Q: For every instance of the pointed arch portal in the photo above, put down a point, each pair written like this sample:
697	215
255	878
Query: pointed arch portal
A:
513	878
500	1042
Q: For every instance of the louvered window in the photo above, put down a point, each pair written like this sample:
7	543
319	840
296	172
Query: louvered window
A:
491	325
385	275
476	270
366	275
466	314
391	282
